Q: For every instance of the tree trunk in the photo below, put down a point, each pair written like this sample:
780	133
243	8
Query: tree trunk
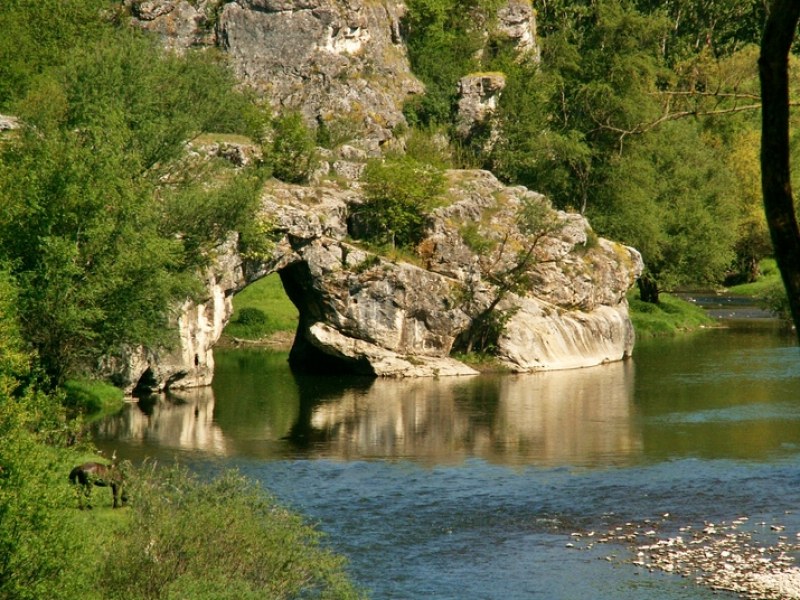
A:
773	64
648	289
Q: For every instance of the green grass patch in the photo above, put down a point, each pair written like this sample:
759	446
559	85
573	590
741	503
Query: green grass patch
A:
262	309
763	286
92	397
671	315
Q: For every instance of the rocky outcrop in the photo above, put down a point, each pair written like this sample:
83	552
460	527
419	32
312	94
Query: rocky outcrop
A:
498	267
333	61
7	123
180	24
479	97
368	314
517	21
342	64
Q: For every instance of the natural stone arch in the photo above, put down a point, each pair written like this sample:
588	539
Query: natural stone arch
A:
368	314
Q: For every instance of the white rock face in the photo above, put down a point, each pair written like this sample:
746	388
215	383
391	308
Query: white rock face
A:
479	96
367	314
379	361
538	337
517	20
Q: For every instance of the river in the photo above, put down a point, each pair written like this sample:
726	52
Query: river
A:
481	488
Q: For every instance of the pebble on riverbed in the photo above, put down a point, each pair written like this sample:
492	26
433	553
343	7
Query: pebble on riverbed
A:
722	556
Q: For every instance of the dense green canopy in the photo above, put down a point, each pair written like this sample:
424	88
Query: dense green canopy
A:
641	115
103	223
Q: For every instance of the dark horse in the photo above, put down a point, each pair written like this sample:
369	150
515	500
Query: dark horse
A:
93	473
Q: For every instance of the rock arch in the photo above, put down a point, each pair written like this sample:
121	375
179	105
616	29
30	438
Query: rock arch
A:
372	315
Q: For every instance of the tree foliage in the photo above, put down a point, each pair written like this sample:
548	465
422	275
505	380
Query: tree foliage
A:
592	124
400	193
506	260
104	224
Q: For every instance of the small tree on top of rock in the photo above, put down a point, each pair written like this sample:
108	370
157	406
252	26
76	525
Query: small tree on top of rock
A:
400	193
506	260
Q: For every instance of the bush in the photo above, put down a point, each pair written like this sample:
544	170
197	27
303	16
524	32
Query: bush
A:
91	397
42	548
669	316
293	153
226	536
400	193
251	316
775	300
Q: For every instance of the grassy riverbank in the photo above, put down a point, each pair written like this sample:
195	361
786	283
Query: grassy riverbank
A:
262	310
767	291
671	315
178	537
92	397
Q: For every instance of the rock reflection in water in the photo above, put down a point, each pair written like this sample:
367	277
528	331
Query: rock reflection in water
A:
576	417
182	421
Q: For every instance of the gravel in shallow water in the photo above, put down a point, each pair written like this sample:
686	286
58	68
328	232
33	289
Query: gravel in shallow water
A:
754	560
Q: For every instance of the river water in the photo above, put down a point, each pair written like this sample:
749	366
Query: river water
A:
472	488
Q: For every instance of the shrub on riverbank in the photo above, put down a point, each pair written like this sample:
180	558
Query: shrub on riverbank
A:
178	538
768	290
670	315
222	539
92	397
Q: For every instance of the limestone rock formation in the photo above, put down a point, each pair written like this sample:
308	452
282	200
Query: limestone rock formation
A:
371	315
7	122
479	96
498	267
340	63
517	20
180	24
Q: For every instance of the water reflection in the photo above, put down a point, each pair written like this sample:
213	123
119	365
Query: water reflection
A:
258	408
717	395
184	421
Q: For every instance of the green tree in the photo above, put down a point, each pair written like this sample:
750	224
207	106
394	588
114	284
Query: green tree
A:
293	150
443	37
669	197
600	64
41	551
39	34
98	222
723	26
400	193
506	260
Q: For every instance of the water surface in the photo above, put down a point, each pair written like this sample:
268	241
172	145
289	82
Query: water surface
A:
471	487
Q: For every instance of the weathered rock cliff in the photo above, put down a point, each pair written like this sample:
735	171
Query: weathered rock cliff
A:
543	292
340	63
371	315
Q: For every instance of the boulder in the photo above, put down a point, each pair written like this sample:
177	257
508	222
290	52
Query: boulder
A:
372	315
479	96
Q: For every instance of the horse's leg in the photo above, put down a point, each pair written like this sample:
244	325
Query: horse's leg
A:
115	494
79	493
88	493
